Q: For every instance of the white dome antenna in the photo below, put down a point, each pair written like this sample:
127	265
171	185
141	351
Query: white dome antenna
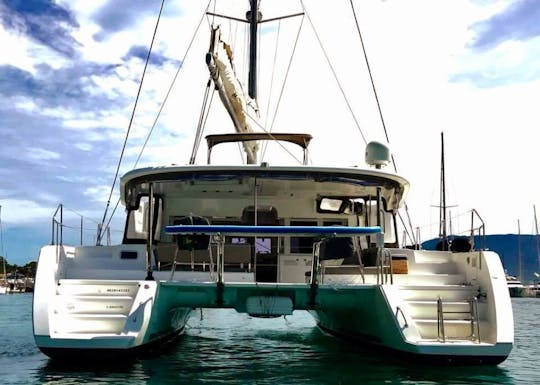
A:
377	154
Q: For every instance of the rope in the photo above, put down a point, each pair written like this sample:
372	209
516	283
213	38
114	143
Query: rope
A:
334	73
98	241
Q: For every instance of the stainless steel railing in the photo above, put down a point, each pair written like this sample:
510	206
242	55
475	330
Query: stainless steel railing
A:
58	224
472	313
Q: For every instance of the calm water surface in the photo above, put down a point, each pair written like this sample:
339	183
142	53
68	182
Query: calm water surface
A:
225	347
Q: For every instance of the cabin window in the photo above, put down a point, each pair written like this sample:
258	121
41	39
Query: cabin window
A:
137	221
334	205
387	224
263	245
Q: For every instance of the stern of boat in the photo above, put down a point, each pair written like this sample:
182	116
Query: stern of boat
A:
448	307
77	308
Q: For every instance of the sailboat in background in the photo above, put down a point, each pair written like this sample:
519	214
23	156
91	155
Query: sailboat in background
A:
3	283
515	285
448	241
533	290
268	240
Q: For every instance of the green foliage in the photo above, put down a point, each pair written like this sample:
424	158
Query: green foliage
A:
28	270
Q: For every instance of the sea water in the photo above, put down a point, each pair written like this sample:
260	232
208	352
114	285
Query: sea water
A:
224	347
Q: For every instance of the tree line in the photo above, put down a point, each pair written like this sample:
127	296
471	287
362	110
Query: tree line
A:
28	270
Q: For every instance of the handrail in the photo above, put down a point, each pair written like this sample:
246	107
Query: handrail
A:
57	226
399	310
440	321
474	318
384	269
481	229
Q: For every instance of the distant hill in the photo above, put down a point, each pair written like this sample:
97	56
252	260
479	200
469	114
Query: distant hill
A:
506	245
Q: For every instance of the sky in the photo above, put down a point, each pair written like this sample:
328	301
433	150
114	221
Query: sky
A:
71	70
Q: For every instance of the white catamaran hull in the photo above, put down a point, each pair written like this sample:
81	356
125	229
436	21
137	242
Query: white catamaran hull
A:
95	316
99	317
463	317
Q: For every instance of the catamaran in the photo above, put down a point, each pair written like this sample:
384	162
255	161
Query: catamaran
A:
267	241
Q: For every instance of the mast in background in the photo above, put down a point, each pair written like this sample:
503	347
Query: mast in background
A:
442	207
520	269
536	237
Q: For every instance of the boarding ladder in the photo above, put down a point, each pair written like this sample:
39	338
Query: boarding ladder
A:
458	314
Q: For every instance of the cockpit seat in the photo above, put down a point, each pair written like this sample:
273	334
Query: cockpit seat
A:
193	241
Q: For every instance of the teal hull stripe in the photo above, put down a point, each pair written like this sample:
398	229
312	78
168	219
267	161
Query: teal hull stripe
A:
272	230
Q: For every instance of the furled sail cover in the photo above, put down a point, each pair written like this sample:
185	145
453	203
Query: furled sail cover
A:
236	101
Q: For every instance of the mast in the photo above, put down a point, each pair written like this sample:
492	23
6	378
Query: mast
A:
519	254
237	102
442	208
253	19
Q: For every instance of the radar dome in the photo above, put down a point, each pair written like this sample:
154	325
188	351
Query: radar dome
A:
377	154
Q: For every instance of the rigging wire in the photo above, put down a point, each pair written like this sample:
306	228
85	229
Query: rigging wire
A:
205	111
272	75
334	72
271	85
98	241
180	66
369	71
277	141
202	116
411	236
284	83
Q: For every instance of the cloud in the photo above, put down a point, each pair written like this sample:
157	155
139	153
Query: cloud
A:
511	62
518	21
42	154
504	49
118	15
43	21
53	151
141	52
72	87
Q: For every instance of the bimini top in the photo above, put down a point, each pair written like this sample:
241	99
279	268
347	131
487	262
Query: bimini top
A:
301	140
